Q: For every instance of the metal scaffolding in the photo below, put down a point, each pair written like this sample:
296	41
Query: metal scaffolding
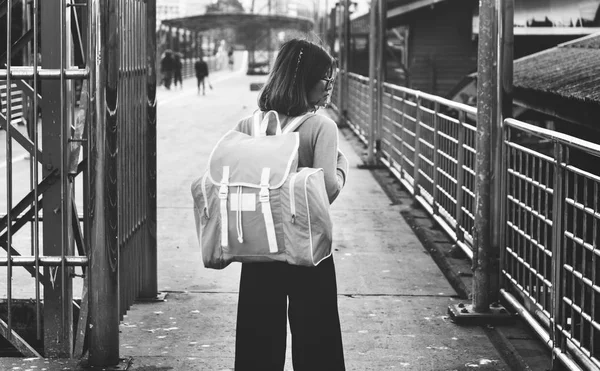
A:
86	70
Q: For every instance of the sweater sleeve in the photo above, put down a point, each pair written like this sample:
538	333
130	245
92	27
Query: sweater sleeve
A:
328	157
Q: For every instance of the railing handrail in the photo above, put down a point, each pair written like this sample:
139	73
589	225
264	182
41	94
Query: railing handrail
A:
357	76
434	98
581	144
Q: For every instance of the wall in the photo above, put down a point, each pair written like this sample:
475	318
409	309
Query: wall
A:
441	47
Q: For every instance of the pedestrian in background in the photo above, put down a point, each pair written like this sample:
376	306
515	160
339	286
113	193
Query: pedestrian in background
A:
230	57
167	65
178	65
201	74
300	82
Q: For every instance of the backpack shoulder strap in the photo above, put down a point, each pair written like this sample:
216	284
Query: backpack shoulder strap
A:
256	123
295	124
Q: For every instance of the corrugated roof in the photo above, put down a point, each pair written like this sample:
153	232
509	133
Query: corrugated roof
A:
570	71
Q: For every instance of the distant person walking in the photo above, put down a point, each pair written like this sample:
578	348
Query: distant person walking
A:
167	64
230	57
201	74
177	71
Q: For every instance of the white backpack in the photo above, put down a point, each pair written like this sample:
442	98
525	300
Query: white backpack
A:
253	204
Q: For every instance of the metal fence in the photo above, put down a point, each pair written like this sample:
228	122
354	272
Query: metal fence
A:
550	267
428	142
550	259
358	104
86	73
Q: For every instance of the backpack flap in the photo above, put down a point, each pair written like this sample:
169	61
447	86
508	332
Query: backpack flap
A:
247	156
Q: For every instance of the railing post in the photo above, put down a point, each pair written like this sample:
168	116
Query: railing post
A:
104	249
504	110
373	43
436	144
381	73
346	51
403	137
344	44
460	176
149	287
417	153
558	253
486	122
340	56
392	127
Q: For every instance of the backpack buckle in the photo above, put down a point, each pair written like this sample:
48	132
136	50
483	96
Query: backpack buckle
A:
263	195
223	191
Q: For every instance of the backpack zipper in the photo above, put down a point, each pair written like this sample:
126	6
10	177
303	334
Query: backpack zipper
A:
292	201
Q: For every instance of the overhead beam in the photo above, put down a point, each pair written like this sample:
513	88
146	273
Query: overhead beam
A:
400	10
238	21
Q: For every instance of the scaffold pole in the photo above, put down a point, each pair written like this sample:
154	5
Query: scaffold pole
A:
487	118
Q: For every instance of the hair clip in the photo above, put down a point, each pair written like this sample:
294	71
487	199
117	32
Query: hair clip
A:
298	64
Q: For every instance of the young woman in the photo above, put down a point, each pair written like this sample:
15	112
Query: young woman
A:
300	82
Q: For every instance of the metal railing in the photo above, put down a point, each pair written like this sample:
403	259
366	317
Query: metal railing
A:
550	257
550	264
136	147
88	192
357	109
428	142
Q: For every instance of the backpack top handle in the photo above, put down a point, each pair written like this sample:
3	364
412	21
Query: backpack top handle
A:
260	127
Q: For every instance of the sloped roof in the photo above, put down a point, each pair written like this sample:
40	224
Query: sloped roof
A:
567	75
571	70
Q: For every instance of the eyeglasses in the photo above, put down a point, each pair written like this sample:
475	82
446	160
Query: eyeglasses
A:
328	82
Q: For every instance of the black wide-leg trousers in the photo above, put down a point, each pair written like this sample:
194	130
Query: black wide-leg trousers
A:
260	342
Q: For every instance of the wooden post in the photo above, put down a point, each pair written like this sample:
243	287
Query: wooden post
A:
487	120
104	251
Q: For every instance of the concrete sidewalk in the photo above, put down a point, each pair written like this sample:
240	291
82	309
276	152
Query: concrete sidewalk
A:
393	298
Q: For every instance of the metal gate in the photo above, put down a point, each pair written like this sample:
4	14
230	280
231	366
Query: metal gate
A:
79	234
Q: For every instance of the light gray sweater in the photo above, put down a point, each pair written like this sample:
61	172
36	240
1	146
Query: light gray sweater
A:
318	148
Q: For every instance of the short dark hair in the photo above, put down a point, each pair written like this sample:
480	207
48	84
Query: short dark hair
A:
299	65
